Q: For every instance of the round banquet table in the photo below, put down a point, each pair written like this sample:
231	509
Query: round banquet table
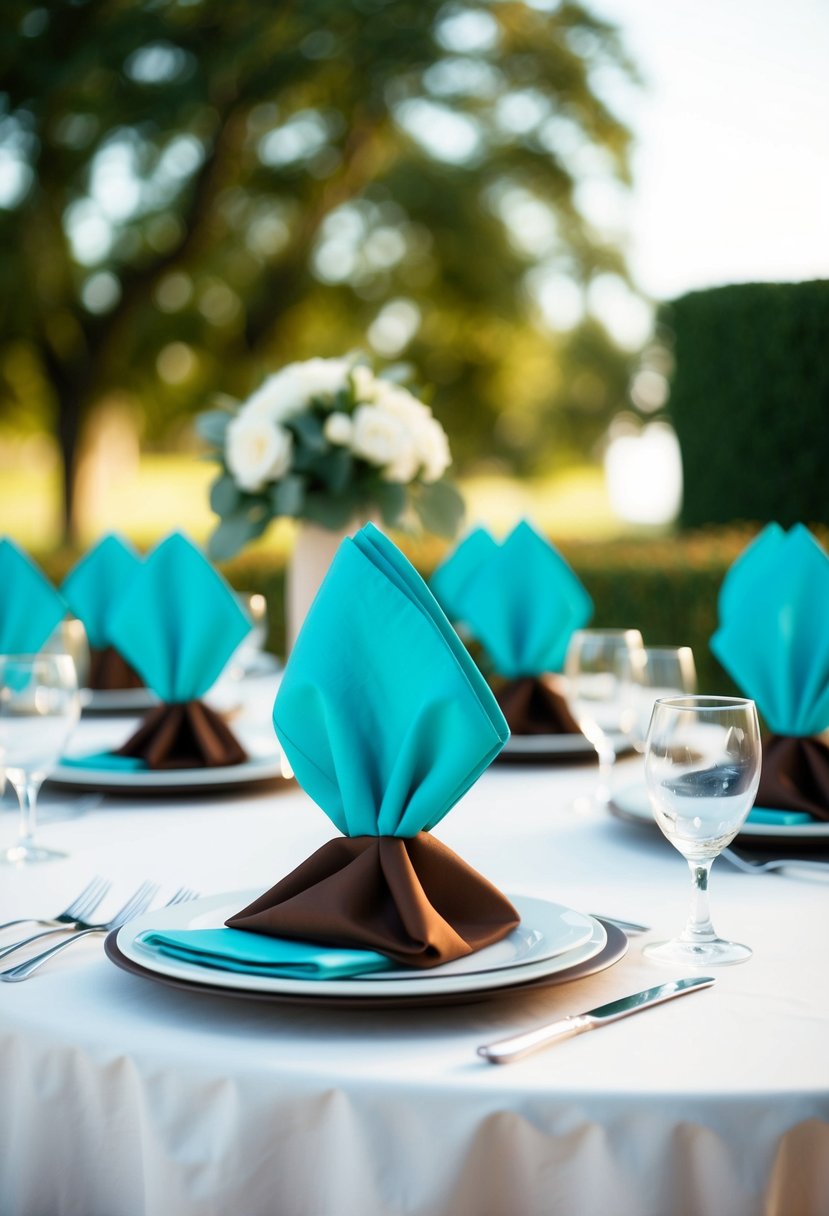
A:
123	1096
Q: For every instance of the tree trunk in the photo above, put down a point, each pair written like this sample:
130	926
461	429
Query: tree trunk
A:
68	434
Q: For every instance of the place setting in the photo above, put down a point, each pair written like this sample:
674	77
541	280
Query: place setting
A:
771	642
383	915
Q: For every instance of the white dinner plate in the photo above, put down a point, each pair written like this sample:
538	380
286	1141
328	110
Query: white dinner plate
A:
553	745
550	922
265	763
632	802
118	700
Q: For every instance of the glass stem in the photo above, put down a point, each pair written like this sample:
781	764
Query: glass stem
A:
607	758
699	927
27	797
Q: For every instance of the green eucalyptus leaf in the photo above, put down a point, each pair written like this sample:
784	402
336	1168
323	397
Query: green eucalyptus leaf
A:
225	495
307	430
391	499
440	508
328	512
233	533
213	425
287	495
335	468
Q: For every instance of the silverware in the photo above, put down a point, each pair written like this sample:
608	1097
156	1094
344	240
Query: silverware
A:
82	905
134	906
504	1051
778	863
629	927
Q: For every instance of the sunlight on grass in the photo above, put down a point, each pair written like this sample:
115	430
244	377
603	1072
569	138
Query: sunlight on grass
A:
164	492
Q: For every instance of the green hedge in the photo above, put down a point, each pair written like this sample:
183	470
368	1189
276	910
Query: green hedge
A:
750	402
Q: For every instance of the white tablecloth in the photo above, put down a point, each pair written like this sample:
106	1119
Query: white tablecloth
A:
120	1096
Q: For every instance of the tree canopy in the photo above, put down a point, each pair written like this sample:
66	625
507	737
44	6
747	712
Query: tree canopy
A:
197	191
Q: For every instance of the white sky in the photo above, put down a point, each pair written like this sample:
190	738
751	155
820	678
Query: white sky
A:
732	162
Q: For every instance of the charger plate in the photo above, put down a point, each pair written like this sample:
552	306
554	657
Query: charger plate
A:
538	950
614	949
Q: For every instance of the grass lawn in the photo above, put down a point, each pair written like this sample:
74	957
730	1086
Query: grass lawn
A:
163	492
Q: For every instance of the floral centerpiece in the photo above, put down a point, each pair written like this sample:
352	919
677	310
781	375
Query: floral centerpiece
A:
328	441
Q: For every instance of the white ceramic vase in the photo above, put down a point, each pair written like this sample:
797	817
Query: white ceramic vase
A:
313	552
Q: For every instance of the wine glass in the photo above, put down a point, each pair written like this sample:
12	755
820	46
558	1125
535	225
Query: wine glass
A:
591	668
702	769
248	654
39	707
648	674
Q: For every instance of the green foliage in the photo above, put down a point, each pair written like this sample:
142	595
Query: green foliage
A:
199	193
750	402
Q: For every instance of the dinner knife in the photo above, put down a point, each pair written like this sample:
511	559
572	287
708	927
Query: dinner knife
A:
516	1046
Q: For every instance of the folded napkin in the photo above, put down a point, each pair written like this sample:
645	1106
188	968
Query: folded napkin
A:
454	572
30	607
521	601
93	589
255	954
178	627
386	722
773	640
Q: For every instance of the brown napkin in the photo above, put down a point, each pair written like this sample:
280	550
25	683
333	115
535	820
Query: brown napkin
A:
109	670
533	706
185	734
795	775
410	898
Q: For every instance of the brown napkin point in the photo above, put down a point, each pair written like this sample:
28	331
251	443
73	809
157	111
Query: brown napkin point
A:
187	734
108	669
410	898
533	706
795	775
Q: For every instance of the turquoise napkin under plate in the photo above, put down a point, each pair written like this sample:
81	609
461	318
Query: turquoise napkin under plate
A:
450	578
386	721
95	586
773	635
30	607
522	602
254	954
180	623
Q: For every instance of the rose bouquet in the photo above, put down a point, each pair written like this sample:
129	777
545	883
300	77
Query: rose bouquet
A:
327	441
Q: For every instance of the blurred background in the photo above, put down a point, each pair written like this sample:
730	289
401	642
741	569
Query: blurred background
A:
597	233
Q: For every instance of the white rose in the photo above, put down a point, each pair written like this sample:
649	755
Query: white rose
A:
434	451
400	402
378	436
257	451
289	390
366	384
338	429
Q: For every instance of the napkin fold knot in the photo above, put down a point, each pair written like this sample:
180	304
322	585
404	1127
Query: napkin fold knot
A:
411	899
795	775
186	734
109	670
533	706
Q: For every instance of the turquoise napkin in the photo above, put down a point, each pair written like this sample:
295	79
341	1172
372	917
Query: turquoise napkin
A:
773	636
255	954
522	603
387	732
30	607
451	576
180	623
94	587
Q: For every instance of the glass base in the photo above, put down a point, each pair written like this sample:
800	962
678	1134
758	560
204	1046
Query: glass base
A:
714	953
25	854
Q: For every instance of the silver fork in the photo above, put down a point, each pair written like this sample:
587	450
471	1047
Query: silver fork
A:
134	906
777	863
66	922
81	905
